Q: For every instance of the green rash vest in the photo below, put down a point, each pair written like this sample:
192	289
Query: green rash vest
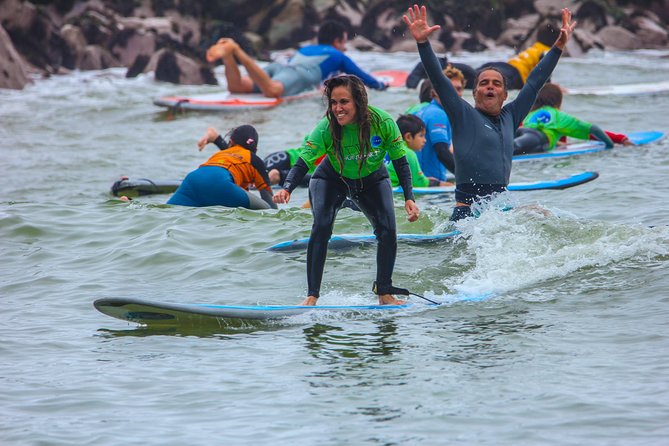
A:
418	179
555	124
385	138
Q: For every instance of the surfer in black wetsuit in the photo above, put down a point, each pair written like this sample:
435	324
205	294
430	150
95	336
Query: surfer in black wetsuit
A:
356	138
483	135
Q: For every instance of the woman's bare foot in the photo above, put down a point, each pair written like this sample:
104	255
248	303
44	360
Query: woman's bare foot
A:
309	301
389	299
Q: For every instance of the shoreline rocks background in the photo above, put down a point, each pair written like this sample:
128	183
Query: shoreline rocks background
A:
169	37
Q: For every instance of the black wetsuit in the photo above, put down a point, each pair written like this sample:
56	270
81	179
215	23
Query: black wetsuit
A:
483	144
371	193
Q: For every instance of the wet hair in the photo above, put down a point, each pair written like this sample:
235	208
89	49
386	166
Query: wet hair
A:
329	31
425	92
480	72
245	136
550	95
410	124
453	73
363	116
547	33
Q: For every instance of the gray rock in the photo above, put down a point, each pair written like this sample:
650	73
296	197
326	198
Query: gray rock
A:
617	37
13	69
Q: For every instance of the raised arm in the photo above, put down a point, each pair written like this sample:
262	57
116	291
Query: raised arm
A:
416	20
566	30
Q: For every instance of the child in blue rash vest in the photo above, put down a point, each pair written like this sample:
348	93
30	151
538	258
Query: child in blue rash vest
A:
483	134
306	70
356	138
412	129
546	124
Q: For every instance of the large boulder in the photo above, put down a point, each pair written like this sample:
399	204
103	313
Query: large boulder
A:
617	37
651	34
169	66
13	71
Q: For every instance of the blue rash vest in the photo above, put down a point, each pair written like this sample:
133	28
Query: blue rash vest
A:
483	144
312	64
438	131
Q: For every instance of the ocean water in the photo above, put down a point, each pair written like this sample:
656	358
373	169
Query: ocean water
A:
568	348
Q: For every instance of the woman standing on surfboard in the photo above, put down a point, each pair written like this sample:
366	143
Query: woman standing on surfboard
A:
356	137
483	134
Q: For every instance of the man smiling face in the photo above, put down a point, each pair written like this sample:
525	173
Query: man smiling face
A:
490	92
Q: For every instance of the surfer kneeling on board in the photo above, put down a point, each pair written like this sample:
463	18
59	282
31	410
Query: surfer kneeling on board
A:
483	134
305	70
224	179
356	138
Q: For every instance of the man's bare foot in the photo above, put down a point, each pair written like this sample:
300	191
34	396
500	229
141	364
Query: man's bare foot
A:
389	299
220	50
309	301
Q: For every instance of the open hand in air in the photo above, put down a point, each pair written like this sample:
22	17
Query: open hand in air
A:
416	20
209	136
566	30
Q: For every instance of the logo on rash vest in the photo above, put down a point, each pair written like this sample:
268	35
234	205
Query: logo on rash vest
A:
376	141
541	117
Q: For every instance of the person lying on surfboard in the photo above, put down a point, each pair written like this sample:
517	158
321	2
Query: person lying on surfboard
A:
305	71
224	179
483	134
436	157
356	138
413	130
546	124
515	69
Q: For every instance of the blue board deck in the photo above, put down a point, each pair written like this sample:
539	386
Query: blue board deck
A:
583	148
562	183
343	241
154	313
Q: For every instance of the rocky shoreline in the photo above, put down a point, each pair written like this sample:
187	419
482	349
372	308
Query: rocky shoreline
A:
170	37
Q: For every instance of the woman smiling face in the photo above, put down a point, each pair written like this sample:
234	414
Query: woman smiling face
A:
343	106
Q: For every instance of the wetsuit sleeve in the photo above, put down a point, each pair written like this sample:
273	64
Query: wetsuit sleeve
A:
449	98
601	135
220	143
617	138
295	176
262	180
537	78
445	156
348	66
404	175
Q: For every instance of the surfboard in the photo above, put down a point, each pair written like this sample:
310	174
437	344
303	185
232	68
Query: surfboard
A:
226	101
583	148
645	88
562	183
143	186
394	78
343	241
153	313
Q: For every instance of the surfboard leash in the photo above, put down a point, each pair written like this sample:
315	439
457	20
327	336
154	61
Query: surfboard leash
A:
401	292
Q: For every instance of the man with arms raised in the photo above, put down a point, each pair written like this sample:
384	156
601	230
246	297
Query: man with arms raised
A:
483	135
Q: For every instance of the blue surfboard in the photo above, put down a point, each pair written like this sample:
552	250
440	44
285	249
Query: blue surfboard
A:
583	148
562	183
343	241
151	313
